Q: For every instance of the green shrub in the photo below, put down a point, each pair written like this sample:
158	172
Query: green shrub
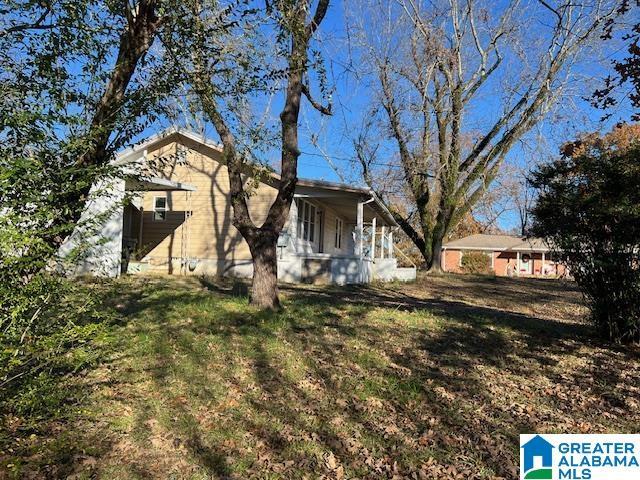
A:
589	209
48	323
476	262
51	327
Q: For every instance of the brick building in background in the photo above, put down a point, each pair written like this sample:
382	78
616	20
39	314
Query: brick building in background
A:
506	254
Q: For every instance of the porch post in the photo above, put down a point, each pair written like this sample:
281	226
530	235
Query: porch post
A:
373	239
542	270
391	244
383	234
518	264
292	228
359	230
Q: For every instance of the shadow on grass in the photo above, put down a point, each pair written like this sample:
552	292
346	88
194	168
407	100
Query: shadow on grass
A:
539	290
375	382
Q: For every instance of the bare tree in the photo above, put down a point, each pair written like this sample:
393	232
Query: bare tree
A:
509	194
432	62
523	196
295	28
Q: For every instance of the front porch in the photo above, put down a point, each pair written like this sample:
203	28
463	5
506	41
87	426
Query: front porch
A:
339	236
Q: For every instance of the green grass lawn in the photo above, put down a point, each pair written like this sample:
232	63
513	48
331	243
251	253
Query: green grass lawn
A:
430	380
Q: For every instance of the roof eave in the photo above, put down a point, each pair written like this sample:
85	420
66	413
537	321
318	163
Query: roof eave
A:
390	219
123	155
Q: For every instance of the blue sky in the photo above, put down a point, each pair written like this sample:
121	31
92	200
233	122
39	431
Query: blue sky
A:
327	141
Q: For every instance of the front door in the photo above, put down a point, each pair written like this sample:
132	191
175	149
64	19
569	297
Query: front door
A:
526	264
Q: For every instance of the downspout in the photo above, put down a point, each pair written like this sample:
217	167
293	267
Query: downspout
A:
361	226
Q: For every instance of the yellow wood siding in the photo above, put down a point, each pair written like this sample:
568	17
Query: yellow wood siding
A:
207	233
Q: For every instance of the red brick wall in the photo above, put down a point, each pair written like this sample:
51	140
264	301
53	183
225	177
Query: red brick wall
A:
500	261
451	261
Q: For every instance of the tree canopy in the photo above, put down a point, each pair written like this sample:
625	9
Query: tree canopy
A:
589	210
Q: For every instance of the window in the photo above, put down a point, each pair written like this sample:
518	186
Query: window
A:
306	220
338	237
160	209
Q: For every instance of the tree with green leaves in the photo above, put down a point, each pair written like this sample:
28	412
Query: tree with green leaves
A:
77	82
73	91
624	82
589	210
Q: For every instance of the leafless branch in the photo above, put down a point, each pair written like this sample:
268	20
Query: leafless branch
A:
325	110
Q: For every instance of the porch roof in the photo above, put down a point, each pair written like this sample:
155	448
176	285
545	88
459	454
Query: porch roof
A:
343	199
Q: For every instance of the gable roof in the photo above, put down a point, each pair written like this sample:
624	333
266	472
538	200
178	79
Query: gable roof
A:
131	154
483	241
534	244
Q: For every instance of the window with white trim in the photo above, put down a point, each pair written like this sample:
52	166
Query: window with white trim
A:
338	234
159	209
306	220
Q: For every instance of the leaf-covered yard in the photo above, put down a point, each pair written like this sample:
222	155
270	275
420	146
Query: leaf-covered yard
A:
430	380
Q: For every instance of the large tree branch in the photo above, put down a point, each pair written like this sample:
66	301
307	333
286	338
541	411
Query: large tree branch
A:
393	113
321	11
135	41
483	72
472	87
567	47
551	9
325	110
37	24
297	63
525	121
412	172
442	124
201	80
408	229
234	162
365	164
475	196
402	220
495	130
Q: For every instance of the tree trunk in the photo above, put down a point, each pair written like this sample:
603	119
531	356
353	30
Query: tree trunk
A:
263	241
135	41
436	257
264	290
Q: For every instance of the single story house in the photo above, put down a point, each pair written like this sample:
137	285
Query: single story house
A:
177	219
507	254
